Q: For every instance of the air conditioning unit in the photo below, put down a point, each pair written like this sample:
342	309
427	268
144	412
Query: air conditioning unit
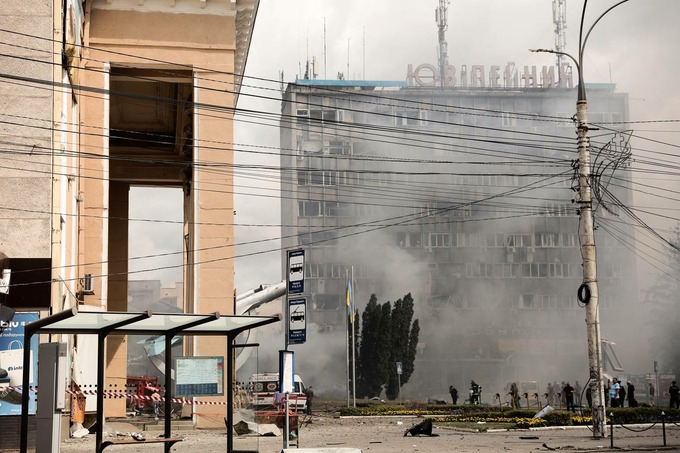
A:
88	285
511	249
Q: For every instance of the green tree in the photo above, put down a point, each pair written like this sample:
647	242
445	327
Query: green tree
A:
368	379
402	350
383	345
663	299
387	337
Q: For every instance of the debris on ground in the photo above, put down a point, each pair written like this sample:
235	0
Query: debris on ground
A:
423	428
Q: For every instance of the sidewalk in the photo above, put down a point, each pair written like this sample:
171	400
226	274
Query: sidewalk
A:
386	435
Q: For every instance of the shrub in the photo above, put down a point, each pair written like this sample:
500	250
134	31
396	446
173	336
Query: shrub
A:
558	418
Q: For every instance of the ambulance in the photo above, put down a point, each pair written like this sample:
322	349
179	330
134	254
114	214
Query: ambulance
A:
261	388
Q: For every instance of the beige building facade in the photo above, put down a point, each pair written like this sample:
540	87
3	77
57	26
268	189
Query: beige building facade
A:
147	100
159	88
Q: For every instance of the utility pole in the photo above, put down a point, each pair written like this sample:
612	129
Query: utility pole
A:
588	291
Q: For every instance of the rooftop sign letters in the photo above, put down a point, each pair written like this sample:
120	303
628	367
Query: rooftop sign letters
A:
428	75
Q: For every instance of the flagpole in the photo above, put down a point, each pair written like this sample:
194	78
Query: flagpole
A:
354	344
347	333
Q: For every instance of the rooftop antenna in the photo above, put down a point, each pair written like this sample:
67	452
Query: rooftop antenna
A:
307	57
299	73
363	56
442	24
560	21
347	57
324	48
281	81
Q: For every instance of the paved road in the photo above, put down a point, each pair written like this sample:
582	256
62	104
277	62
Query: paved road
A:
386	435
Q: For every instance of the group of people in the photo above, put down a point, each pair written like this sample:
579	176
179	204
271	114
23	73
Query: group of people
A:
564	395
617	394
568	396
475	393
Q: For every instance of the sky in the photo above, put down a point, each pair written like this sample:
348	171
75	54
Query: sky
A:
633	46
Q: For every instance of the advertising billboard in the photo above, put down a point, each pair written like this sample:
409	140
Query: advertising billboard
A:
12	350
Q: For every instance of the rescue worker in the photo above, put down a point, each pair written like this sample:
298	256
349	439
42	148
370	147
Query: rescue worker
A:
475	393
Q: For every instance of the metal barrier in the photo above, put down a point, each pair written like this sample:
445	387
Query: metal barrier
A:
663	428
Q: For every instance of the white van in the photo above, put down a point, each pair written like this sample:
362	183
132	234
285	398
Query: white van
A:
262	386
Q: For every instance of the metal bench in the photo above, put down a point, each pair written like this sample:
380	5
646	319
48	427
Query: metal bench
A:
170	441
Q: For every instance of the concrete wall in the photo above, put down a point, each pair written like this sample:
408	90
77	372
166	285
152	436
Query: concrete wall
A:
25	130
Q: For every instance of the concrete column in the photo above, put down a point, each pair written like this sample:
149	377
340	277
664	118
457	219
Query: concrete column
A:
116	345
213	213
95	173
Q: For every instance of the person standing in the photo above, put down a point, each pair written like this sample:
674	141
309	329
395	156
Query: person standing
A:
156	402
622	394
607	387
614	393
651	392
631	395
309	393
514	396
278	399
674	391
454	394
475	393
568	392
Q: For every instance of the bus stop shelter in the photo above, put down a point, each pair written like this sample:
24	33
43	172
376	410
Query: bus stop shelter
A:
145	323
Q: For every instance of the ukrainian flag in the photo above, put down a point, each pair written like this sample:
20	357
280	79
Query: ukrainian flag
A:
349	298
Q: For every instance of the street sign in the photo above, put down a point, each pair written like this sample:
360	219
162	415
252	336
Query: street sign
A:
297	321
286	371
398	367
296	271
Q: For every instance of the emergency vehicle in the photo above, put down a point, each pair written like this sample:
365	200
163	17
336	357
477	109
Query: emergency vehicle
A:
262	386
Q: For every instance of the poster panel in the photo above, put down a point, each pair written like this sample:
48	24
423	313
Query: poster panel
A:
12	351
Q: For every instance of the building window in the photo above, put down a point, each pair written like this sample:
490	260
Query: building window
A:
303	177
438	240
410	117
316	178
569	240
526	301
518	240
508	119
546	239
555	270
328	302
324	239
309	208
338	147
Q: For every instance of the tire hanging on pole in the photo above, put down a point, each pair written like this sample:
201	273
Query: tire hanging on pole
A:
583	293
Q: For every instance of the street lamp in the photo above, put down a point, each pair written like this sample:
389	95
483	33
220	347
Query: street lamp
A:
588	291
